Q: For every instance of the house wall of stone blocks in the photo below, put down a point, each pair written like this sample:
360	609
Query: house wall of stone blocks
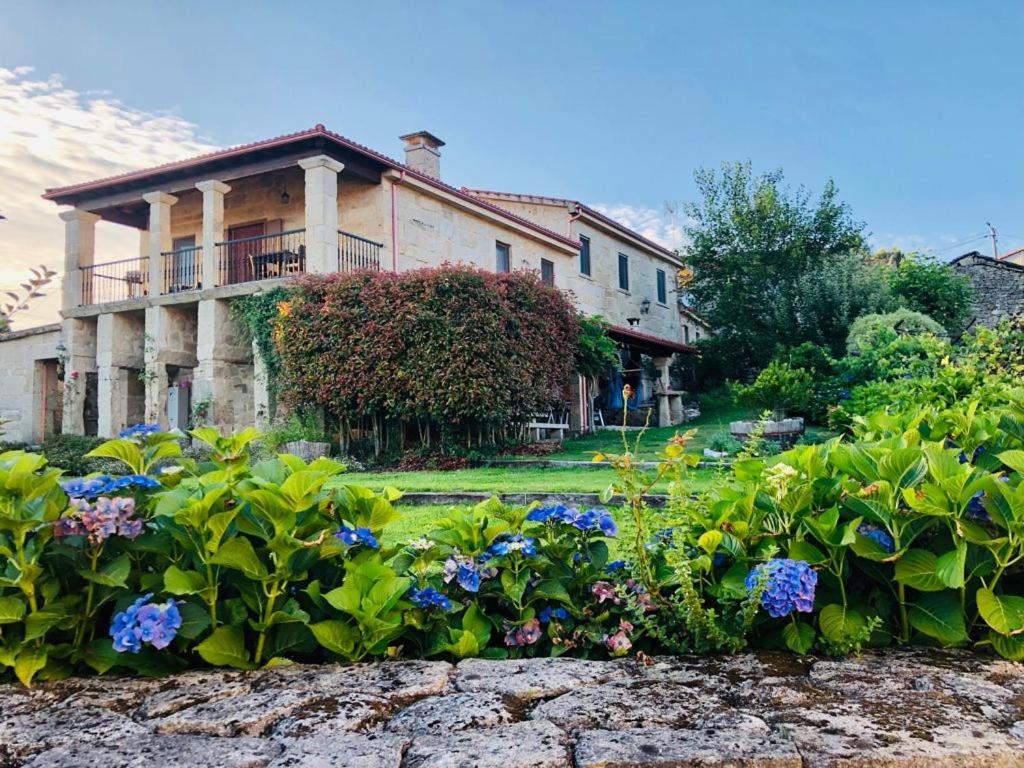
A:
29	392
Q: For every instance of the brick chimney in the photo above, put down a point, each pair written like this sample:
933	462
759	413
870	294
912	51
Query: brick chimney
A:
423	152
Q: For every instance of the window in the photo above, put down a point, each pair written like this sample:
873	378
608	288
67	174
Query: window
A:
686	334
503	252
547	272
623	271
662	292
584	255
697	331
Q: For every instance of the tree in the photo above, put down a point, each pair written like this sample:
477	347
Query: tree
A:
755	249
33	289
926	286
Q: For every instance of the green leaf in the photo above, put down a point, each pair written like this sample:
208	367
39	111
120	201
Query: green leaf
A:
1004	613
195	619
125	451
552	589
225	648
804	550
112	574
238	553
179	582
839	624
799	637
464	647
11	610
336	636
100	655
917	569
1013	459
515	587
939	616
1011	648
709	541
950	566
30	660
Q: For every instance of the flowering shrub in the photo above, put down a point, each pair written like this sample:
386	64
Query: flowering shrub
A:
911	532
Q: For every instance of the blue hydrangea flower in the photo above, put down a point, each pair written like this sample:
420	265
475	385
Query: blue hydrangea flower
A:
144	622
428	598
615	566
105	485
976	510
517	543
558	513
138	431
463	571
354	536
877	535
607	524
549	613
789	586
590	521
131	481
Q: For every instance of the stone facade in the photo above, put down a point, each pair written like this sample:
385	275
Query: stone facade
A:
170	324
998	288
899	709
29	393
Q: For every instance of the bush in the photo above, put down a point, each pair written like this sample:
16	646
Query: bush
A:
933	289
870	331
780	388
69	453
455	353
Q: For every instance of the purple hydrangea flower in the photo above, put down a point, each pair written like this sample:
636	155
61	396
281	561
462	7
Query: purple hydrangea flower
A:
877	535
428	598
355	536
789	586
144	622
100	521
602	590
528	634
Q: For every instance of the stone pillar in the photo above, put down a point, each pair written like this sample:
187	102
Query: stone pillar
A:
213	227
79	338
663	384
118	349
224	367
321	213
159	237
260	389
79	251
577	405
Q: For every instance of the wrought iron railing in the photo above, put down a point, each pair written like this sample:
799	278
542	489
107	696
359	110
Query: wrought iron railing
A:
182	270
355	252
115	281
261	257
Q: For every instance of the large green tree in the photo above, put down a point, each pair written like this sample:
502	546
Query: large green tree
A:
931	288
773	267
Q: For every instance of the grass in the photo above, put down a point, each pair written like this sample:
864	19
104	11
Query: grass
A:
509	480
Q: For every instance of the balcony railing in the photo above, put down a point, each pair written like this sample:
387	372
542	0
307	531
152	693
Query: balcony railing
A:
115	281
182	270
261	257
355	252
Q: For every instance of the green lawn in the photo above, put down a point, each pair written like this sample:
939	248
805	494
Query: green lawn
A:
506	480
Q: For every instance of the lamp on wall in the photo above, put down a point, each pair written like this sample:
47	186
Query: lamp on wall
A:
633	321
645	306
285	197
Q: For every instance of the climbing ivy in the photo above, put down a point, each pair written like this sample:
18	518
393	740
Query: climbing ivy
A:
257	314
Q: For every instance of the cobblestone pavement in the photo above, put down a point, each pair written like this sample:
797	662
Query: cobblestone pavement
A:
912	708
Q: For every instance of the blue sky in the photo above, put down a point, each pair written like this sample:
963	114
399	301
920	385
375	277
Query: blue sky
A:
915	109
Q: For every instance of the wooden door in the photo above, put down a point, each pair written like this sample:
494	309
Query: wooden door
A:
240	254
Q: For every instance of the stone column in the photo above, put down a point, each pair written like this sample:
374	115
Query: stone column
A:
79	251
663	384
117	351
159	237
79	338
224	366
260	389
321	213
213	227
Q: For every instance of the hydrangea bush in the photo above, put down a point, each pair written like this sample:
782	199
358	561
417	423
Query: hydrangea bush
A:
910	532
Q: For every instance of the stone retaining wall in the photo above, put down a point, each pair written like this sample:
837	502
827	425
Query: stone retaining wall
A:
912	708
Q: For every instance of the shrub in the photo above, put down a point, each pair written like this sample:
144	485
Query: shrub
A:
933	289
871	331
69	452
780	387
454	353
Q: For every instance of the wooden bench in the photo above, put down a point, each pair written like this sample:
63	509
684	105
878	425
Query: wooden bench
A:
548	422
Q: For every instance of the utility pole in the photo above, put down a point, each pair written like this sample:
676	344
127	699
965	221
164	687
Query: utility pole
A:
995	240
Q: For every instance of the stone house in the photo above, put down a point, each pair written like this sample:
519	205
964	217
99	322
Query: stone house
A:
142	335
998	287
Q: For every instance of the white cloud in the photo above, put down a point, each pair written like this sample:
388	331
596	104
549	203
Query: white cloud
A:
52	136
664	227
